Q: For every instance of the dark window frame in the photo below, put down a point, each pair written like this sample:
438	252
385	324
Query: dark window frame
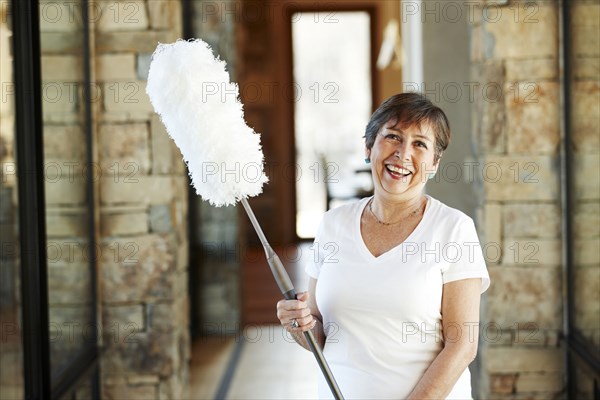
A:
578	349
32	211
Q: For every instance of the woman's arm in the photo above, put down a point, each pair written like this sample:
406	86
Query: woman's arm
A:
460	324
306	313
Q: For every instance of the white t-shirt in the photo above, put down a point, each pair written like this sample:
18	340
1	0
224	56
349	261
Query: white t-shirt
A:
382	315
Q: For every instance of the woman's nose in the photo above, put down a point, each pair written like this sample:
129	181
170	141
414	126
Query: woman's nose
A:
403	150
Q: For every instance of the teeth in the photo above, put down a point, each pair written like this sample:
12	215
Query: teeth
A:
398	170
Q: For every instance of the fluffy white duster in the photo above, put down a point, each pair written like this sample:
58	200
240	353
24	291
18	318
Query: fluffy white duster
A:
199	106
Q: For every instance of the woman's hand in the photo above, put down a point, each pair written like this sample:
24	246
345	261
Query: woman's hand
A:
298	310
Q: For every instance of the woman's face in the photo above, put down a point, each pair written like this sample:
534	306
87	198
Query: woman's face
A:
401	159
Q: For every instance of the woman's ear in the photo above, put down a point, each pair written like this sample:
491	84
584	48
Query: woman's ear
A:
431	172
367	156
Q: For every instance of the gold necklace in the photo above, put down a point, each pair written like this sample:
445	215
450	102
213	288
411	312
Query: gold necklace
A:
411	214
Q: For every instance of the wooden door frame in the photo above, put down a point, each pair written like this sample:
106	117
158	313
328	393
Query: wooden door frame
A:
286	73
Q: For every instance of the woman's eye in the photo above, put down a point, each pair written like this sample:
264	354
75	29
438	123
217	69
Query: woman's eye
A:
391	136
422	144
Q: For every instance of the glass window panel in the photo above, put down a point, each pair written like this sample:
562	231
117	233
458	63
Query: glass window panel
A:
332	77
585	131
71	307
11	344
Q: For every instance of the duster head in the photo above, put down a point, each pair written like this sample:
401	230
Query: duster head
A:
190	89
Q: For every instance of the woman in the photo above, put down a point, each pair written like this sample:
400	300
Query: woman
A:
394	294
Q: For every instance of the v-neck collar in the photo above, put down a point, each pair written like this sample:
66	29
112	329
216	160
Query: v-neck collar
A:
363	247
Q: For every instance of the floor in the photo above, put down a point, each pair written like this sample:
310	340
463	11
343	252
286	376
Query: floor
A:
263	362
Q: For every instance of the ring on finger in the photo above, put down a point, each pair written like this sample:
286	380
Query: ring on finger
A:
294	324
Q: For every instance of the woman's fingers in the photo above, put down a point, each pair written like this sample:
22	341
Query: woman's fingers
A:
289	311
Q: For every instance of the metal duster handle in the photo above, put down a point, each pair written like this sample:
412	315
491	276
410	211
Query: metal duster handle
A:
287	289
316	350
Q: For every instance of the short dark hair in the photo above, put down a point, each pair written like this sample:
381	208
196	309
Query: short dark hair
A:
408	109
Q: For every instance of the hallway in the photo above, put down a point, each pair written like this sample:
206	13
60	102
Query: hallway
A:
261	363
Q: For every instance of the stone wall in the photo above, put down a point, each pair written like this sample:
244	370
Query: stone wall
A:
516	128
143	196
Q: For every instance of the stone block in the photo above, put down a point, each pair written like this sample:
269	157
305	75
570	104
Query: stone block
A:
531	220
503	383
143	379
137	269
62	68
587	220
124	224
161	14
177	26
587	251
587	184
537	31
8	175
531	70
586	68
143	190
531	252
60	43
162	147
60	102
183	255
69	283
111	67
67	251
525	295
518	178
585	17
586	114
65	142
585	383
476	43
143	65
59	16
539	382
587	298
70	323
532	117
167	316
127	97
493	117
126	319
491	96
160	218
493	224
152	353
137	392
122	15
66	223
124	150
585	41
585	13
505	360
65	191
134	41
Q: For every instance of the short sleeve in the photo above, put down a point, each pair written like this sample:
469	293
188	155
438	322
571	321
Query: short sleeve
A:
465	256
313	266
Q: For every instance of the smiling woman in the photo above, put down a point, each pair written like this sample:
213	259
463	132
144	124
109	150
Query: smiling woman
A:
398	305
